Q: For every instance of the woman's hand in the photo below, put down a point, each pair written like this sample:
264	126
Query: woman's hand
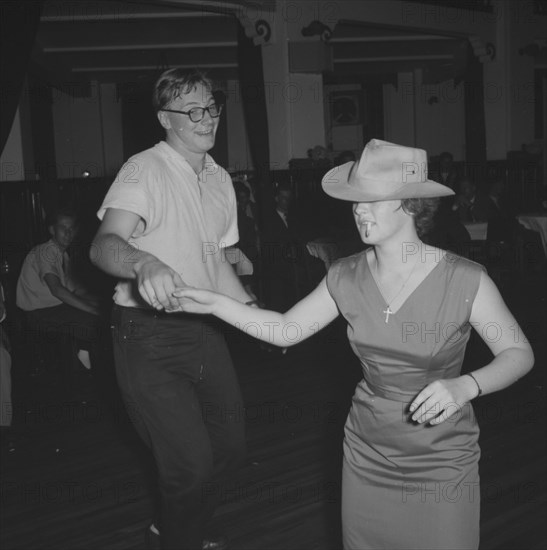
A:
441	399
195	300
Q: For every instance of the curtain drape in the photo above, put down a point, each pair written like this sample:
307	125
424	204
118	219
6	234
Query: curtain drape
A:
18	26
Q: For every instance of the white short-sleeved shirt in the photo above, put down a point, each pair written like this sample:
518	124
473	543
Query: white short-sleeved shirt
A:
185	219
32	290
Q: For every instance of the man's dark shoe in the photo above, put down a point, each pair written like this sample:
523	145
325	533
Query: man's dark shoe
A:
152	538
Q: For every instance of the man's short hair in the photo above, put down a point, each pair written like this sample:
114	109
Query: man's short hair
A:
175	82
283	187
240	187
446	155
54	216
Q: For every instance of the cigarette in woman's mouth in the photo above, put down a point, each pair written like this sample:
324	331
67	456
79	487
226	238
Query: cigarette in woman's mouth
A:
367	229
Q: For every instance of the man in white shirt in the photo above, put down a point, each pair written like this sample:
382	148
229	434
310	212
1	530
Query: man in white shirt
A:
166	221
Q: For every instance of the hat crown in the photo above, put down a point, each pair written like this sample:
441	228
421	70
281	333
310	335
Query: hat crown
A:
387	162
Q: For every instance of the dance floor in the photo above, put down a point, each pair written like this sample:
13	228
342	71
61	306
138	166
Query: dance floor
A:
78	478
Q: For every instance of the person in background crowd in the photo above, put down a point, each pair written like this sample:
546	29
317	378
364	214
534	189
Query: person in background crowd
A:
502	220
244	255
469	204
445	172
248	234
290	271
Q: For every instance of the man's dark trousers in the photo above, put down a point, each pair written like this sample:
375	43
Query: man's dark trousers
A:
181	392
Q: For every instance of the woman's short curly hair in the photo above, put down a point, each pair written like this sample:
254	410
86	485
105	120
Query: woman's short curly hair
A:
174	82
423	210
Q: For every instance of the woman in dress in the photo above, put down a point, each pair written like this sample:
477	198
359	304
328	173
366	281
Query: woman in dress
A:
410	472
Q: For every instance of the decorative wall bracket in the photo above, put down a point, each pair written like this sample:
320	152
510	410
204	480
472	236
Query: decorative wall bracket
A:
255	17
260	30
317	28
483	51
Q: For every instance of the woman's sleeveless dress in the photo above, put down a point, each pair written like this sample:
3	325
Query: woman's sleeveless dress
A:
407	485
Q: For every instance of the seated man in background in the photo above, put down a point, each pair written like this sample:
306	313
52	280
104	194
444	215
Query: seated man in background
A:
47	293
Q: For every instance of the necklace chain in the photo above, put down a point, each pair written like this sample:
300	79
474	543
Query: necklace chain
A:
388	311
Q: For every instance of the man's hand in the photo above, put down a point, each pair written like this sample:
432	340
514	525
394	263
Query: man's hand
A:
156	282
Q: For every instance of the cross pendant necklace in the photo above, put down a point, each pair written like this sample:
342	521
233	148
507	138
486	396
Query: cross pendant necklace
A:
388	311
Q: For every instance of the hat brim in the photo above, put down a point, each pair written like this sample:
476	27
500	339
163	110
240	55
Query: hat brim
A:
335	184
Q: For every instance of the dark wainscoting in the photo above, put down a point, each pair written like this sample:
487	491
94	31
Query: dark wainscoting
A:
24	204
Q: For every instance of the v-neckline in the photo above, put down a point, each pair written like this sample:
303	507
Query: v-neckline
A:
379	292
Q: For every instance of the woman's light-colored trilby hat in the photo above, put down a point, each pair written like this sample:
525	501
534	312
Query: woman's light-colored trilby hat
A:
385	171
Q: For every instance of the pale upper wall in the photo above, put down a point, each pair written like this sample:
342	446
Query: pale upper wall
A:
441	123
275	66
305	103
429	116
88	131
522	28
410	116
509	79
399	118
111	117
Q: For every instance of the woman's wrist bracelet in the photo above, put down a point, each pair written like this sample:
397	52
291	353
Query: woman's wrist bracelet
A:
475	380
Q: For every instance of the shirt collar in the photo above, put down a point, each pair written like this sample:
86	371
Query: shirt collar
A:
56	245
170	152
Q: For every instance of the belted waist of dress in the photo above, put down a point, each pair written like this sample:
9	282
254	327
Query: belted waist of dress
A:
393	395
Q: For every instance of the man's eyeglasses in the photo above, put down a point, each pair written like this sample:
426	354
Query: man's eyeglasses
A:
196	114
